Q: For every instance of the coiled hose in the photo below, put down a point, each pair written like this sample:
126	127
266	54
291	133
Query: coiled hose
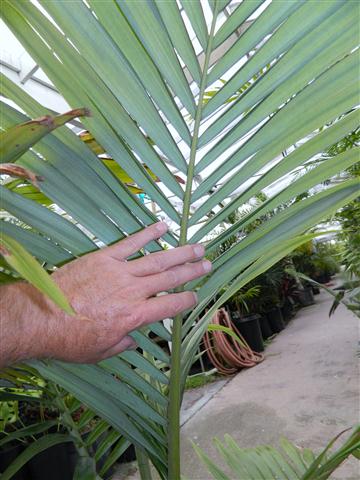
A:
224	351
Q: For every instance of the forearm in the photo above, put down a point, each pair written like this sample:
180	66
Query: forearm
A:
23	323
32	326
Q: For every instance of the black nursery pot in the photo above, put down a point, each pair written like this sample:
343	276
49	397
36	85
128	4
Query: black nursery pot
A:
55	463
7	456
249	328
287	310
265	327
323	278
306	297
275	319
315	290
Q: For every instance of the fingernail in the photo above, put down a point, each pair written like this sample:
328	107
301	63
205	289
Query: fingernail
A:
199	250
206	265
195	297
161	227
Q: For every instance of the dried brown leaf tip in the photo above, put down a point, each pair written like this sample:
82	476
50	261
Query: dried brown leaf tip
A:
179	179
17	171
79	112
52	122
45	120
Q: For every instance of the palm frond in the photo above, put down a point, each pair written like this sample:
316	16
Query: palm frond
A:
266	462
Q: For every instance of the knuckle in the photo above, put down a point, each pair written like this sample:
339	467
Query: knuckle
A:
135	319
197	268
198	251
192	252
131	242
172	278
158	263
129	291
189	299
178	306
181	302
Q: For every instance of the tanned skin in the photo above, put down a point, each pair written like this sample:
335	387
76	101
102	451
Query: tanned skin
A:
110	295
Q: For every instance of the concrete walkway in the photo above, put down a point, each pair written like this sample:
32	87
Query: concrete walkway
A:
307	389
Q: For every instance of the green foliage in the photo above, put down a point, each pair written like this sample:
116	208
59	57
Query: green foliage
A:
312	80
33	449
347	143
29	269
264	462
222	328
245	297
213	91
16	141
19	139
327	257
348	294
349	216
8	414
199	380
41	408
317	259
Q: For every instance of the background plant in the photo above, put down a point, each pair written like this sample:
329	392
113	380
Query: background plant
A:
265	461
41	414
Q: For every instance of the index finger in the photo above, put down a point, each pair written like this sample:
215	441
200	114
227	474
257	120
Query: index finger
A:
135	242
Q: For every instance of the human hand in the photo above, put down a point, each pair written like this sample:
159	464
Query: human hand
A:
112	296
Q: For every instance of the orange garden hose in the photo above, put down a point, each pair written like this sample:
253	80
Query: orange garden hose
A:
225	353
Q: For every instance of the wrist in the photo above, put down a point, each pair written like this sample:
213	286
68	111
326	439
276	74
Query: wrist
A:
26	323
49	327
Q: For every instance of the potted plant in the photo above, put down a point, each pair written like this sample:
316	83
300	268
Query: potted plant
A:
274	314
289	290
245	319
316	260
57	462
43	412
325	263
34	415
268	303
305	294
